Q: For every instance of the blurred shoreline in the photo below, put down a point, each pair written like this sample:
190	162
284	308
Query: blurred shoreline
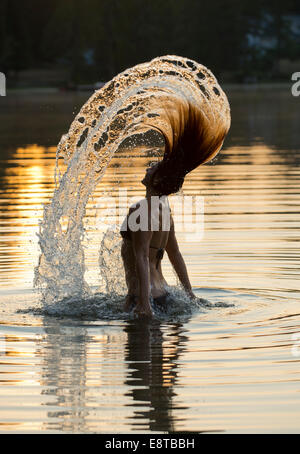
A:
227	87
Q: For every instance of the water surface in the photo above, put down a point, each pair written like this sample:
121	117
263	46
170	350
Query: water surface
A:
216	369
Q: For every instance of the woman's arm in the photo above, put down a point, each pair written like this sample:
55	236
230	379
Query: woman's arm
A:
128	258
141	242
177	262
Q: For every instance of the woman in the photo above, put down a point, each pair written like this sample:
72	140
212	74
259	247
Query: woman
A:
143	248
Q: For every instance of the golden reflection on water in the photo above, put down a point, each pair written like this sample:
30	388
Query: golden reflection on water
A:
136	365
26	184
226	370
129	377
251	216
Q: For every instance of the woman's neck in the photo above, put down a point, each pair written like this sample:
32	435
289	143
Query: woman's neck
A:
151	193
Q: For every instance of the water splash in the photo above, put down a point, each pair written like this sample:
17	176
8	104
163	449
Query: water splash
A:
110	264
103	306
174	96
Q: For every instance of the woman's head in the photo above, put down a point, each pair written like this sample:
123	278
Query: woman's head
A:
163	179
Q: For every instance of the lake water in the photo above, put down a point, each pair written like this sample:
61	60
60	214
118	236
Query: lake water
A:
226	368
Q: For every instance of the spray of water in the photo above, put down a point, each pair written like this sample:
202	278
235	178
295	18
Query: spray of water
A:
110	264
174	96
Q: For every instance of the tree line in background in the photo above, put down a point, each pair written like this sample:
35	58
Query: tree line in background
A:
96	39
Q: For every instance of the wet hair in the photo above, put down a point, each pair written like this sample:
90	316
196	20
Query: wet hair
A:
169	176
